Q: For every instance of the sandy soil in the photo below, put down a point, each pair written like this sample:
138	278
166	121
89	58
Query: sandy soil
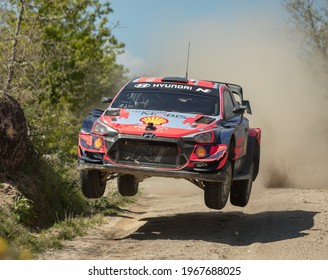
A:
170	221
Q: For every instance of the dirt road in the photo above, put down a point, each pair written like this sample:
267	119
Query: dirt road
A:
170	221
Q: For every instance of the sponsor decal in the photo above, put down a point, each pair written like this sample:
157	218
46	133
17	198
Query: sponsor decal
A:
205	90
148	135
161	129
163	113
124	114
139	127
191	120
201	164
183	87
142	85
154	119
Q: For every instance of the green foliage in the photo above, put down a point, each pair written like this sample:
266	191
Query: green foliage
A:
13	236
55	129
9	227
77	49
23	208
80	67
50	190
51	208
67	61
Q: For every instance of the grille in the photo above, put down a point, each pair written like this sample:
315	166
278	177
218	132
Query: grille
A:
147	153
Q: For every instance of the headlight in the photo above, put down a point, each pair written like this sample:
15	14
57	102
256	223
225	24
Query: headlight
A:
103	129
207	137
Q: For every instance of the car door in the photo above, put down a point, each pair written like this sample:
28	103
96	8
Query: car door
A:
238	121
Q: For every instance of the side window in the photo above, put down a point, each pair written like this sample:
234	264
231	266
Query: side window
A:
228	105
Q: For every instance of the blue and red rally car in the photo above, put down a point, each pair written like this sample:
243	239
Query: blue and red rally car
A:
172	127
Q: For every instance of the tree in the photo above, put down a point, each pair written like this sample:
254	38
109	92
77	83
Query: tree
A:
65	61
57	58
311	17
79	66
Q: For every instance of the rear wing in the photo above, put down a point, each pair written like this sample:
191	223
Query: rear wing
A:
236	89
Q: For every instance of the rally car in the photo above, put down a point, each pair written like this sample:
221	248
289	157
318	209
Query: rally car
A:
172	127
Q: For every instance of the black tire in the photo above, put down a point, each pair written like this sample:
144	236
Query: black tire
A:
241	190
93	183
127	185
216	193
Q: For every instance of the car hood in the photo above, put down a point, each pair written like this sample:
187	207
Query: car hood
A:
166	124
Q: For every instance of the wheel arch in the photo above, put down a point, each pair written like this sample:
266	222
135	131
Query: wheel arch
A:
88	123
89	120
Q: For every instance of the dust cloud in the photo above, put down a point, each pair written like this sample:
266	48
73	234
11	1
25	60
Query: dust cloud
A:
288	95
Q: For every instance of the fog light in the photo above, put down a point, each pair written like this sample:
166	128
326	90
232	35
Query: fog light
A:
98	143
201	152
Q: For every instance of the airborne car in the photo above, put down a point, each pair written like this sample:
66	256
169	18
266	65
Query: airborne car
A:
172	127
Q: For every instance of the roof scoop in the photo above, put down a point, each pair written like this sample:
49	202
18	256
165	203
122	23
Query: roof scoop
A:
175	79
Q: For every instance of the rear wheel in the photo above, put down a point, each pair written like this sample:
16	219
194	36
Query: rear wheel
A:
93	183
127	185
216	193
241	190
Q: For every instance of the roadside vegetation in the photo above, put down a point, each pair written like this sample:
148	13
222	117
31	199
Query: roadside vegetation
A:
44	206
57	59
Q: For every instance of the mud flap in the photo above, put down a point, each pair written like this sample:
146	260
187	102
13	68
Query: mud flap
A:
244	173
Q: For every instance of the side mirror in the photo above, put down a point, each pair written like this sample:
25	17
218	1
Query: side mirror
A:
106	100
248	106
240	110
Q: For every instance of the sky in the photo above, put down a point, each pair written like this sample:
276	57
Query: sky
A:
147	26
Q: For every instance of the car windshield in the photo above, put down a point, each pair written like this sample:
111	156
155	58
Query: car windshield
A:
169	101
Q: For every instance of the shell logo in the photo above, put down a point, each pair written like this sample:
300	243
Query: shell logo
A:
154	119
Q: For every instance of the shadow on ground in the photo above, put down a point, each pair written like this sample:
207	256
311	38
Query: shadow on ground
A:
233	228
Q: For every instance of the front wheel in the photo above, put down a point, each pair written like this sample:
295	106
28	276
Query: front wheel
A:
216	193
93	183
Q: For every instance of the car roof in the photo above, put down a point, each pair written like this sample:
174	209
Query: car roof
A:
189	84
178	80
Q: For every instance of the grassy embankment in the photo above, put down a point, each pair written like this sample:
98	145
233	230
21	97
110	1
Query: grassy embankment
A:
41	205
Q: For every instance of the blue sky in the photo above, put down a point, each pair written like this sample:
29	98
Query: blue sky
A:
147	23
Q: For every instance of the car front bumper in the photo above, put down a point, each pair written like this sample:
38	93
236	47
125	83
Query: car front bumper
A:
141	171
